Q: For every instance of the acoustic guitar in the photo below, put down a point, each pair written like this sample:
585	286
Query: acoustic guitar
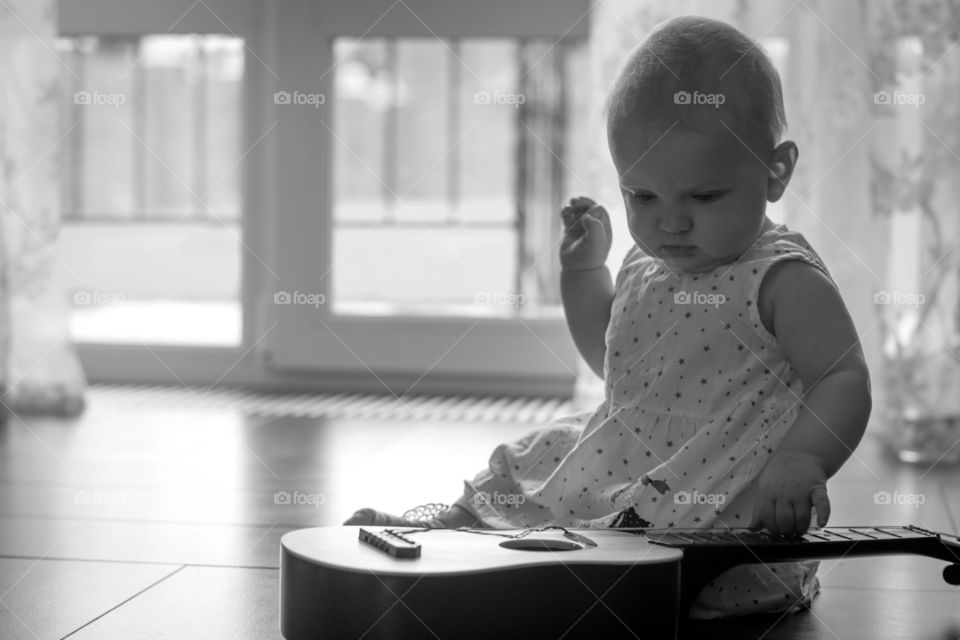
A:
377	583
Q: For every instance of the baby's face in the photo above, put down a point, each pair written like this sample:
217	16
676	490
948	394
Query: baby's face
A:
695	200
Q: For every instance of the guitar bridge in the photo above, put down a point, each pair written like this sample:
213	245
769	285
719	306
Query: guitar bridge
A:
391	542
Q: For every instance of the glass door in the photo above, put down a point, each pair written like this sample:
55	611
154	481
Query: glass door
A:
419	174
150	248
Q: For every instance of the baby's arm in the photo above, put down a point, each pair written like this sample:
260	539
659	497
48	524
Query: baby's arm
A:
812	324
585	284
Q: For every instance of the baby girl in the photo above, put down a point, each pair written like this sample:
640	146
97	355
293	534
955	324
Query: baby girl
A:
735	384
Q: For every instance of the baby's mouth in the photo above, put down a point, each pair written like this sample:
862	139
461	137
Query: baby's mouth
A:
678	249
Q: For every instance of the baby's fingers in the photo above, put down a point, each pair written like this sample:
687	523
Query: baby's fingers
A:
572	211
599	214
582	202
596	225
822	504
762	515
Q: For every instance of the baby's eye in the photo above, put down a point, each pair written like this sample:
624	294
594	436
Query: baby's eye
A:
643	197
707	197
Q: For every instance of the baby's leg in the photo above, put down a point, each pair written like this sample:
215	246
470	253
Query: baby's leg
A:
455	516
373	517
775	587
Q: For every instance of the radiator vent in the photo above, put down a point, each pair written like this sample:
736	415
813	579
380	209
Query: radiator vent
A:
111	398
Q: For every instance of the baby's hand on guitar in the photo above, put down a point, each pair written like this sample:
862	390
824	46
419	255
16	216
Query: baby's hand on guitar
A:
790	485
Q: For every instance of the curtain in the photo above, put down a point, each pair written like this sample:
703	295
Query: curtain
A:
822	52
40	371
915	189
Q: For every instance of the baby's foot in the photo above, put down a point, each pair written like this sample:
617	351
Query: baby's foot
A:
376	518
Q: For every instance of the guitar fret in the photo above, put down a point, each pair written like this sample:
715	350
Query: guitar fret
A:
862	533
677	535
839	535
815	535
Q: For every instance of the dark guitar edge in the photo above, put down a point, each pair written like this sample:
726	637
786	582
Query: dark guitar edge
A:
702	563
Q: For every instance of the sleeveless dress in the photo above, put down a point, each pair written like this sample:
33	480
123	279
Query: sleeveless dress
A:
698	395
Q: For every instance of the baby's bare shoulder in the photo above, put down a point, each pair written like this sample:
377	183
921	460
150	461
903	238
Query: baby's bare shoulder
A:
794	281
810	320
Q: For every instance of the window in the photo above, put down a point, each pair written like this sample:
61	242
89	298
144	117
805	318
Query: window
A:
150	246
451	159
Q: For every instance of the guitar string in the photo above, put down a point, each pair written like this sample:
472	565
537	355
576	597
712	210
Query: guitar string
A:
522	534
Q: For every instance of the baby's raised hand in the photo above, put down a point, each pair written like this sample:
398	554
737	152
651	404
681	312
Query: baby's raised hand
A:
790	484
587	235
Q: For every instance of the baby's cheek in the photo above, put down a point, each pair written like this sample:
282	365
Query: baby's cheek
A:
638	229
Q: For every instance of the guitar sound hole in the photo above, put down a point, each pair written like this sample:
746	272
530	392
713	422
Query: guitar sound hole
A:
540	544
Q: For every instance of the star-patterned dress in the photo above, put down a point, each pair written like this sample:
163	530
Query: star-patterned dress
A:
698	395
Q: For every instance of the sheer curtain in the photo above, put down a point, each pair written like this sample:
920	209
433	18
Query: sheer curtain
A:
821	51
40	371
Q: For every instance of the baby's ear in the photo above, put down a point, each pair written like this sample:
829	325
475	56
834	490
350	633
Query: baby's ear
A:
783	159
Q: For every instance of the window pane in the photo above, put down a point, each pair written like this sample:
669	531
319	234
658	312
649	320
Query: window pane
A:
151	192
486	167
438	157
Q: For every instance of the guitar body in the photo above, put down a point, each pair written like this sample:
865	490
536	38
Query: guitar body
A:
468	585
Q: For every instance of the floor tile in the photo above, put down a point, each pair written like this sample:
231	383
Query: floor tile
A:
198	603
223	545
41	599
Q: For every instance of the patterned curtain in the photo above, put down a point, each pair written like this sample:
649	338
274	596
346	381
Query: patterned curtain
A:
39	370
915	189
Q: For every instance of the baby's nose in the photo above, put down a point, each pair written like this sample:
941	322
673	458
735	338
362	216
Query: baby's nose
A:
674	221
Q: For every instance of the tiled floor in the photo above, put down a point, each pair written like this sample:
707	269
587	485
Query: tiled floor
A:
163	524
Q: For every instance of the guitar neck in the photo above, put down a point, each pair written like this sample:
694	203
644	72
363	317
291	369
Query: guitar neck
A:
744	545
709	552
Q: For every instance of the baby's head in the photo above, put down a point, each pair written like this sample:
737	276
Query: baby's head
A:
694	124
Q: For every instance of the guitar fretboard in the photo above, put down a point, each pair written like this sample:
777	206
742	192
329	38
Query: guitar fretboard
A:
688	538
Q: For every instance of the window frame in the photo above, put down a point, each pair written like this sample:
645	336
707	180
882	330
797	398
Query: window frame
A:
286	202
